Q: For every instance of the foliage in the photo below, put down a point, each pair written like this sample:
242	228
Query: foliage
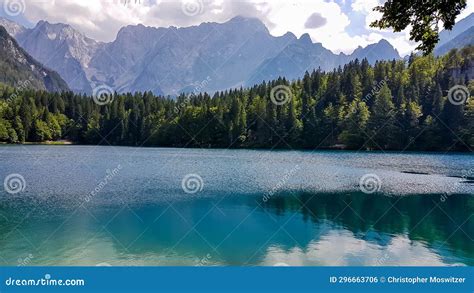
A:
393	105
424	17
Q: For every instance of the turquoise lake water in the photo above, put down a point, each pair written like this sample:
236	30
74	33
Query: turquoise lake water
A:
85	205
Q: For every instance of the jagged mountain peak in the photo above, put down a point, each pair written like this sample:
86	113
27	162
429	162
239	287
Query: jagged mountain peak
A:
306	39
24	69
11	27
170	60
244	19
382	50
61	31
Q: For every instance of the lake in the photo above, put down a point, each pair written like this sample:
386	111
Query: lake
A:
86	205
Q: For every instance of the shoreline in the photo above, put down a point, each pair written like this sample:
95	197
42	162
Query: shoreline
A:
335	150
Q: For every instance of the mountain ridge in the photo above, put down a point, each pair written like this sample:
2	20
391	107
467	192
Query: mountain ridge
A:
239	52
18	68
461	35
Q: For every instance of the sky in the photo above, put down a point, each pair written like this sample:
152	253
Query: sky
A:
340	25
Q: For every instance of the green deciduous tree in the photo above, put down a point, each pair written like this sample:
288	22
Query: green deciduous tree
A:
424	17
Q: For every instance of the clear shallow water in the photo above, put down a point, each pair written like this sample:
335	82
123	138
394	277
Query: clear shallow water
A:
255	208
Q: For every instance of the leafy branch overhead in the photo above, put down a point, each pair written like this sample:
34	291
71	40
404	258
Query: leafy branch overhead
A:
424	17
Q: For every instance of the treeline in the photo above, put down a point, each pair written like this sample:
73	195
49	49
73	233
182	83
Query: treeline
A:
418	104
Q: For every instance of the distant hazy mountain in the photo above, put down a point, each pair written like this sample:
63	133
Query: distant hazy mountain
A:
303	55
207	57
12	28
462	40
461	26
382	50
63	49
18	68
460	36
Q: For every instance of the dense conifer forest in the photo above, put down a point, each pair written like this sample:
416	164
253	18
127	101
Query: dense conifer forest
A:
421	103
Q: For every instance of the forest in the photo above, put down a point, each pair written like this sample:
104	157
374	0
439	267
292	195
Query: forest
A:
422	103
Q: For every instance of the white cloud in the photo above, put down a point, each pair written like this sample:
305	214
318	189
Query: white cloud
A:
364	6
102	19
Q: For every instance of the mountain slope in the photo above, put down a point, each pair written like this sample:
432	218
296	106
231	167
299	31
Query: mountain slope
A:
460	36
18	68
462	40
299	56
208	57
63	49
13	28
460	27
382	50
212	56
303	55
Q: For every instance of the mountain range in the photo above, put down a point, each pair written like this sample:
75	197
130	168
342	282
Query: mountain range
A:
19	69
208	57
460	36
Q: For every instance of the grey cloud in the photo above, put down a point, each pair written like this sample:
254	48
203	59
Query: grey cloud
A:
316	20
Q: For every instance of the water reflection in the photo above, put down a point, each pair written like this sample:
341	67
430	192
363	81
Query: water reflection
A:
368	229
291	228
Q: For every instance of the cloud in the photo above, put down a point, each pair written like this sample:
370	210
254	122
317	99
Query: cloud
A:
364	6
326	21
315	21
